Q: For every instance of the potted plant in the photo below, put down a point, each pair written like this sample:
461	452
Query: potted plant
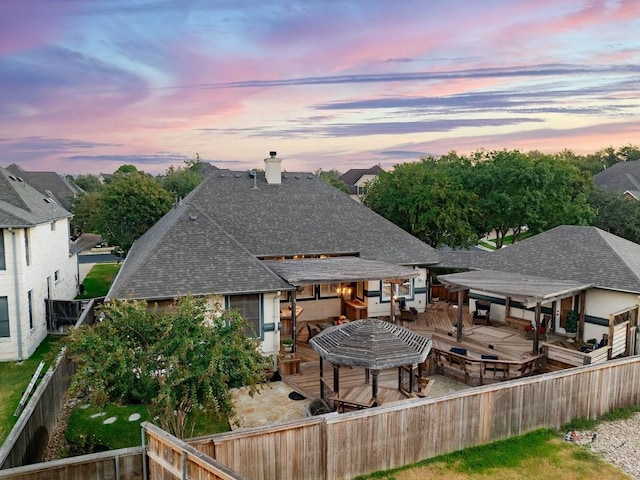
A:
287	343
571	323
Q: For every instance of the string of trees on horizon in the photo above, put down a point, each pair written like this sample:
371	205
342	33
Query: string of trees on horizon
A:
451	200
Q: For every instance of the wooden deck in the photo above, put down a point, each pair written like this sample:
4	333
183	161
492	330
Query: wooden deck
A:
437	323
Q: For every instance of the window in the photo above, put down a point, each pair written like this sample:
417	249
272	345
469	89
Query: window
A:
401	290
4	317
26	246
250	307
56	275
308	291
329	290
30	300
3	263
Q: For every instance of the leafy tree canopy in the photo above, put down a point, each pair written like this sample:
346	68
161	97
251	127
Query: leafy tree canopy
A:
179	362
616	214
180	181
88	183
128	206
332	177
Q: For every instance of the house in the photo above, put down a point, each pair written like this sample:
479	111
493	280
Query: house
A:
608	264
358	178
36	264
49	183
620	177
280	247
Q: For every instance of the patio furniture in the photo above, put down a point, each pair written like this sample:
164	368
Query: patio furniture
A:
482	311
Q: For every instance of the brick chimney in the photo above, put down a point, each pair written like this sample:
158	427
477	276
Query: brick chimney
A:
272	170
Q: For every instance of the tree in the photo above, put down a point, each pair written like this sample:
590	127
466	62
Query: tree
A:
517	191
332	177
180	362
616	214
86	212
88	183
429	200
180	181
129	205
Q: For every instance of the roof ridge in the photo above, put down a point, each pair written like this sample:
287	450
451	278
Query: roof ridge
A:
610	239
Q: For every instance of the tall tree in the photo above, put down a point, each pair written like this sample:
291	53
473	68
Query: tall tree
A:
180	362
88	183
428	199
129	205
332	177
180	181
616	214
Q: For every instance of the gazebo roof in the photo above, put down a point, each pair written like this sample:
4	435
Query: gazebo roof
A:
371	343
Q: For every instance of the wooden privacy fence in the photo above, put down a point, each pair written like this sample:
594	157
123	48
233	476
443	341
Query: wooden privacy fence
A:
342	446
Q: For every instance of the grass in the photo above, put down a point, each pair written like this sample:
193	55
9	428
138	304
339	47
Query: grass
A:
542	455
86	431
15	379
97	282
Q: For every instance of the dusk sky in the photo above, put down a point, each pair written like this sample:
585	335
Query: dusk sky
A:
88	85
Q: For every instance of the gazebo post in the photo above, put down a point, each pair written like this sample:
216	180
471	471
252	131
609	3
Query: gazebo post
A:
366	376
293	320
321	382
374	386
336	379
507	307
459	333
536	334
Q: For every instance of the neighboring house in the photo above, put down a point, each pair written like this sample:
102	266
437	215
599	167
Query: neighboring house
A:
357	179
632	194
48	183
620	177
35	264
585	255
268	241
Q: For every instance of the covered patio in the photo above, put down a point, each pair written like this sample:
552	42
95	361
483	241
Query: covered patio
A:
530	290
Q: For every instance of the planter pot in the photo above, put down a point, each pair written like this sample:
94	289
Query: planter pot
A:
571	336
287	350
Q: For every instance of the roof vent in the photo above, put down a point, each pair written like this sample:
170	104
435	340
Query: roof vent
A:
193	217
272	169
254	175
13	178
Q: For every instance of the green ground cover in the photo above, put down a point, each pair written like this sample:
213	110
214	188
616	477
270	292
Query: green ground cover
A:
15	379
542	455
99	279
87	433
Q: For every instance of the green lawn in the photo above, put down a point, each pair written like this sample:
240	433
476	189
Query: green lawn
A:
99	279
542	455
15	379
87	433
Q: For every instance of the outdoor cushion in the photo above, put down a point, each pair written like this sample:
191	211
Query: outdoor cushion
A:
459	351
489	357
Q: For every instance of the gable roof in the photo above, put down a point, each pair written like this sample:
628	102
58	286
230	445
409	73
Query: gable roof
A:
351	177
22	206
213	241
620	177
580	254
48	183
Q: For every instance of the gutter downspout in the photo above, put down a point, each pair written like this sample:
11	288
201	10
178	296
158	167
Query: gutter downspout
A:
15	271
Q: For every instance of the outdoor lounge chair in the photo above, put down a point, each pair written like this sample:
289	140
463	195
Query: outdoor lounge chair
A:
481	313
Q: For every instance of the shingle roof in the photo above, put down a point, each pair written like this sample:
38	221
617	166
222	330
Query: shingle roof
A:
235	224
23	206
581	254
620	177
48	183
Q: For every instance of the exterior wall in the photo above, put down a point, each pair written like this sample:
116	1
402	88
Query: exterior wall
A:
378	308
361	183
49	253
270	321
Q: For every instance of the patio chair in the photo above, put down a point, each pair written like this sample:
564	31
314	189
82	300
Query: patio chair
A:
481	313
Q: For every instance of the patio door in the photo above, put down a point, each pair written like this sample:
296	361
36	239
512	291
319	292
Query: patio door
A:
566	304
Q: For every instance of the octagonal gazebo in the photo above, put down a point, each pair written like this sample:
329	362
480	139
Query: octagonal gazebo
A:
372	344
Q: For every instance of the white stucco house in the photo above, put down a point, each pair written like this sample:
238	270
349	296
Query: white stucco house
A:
267	241
36	264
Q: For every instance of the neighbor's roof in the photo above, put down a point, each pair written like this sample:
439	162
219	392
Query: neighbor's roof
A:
371	343
528	289
579	254
351	177
22	206
620	177
48	183
338	269
236	224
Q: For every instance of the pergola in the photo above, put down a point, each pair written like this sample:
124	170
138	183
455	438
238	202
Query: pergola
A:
530	290
344	269
370	343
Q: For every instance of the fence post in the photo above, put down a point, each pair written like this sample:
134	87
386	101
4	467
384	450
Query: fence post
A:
144	453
